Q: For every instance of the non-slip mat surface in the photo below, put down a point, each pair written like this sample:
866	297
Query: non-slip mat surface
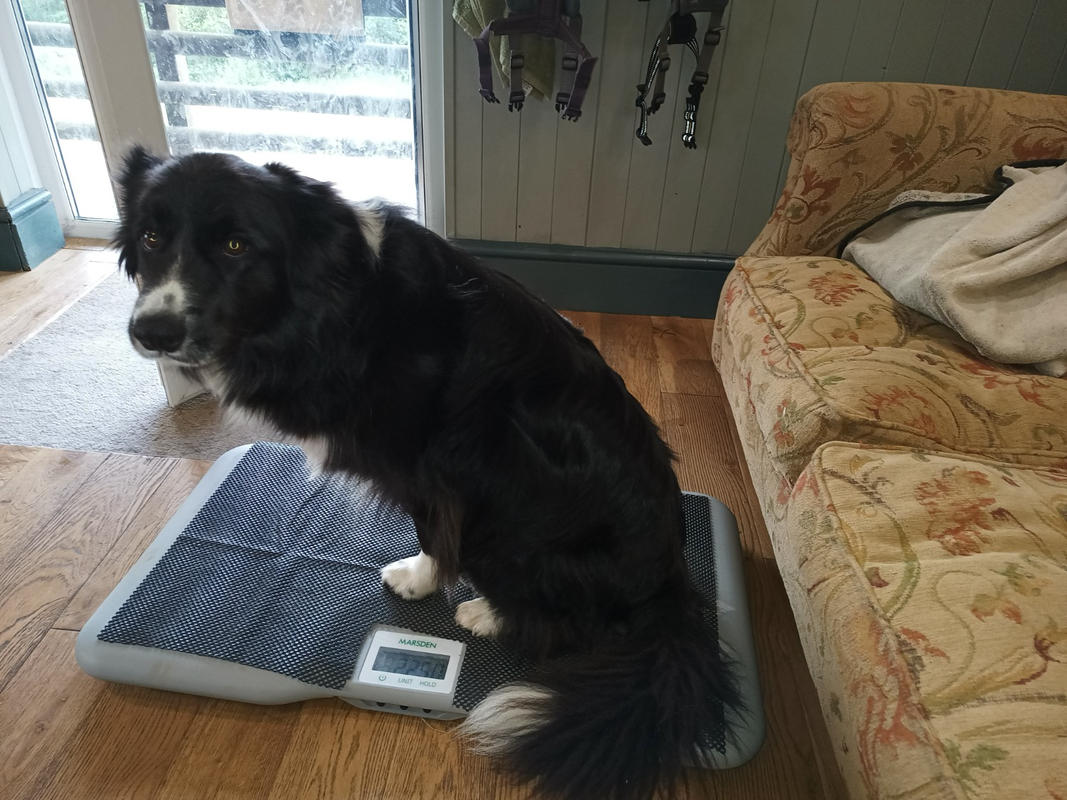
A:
280	572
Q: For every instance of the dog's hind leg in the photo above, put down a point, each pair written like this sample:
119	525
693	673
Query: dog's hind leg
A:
478	617
412	578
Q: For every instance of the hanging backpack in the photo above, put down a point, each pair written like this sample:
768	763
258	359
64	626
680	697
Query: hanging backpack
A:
554	19
680	28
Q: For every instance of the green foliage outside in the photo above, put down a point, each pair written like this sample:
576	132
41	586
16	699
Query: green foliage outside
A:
44	10
312	62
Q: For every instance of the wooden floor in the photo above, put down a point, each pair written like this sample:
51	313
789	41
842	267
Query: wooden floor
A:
72	523
30	300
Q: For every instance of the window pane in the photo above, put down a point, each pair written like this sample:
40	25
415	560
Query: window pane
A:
67	102
315	84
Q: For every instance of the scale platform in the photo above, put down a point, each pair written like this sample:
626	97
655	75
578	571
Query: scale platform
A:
265	588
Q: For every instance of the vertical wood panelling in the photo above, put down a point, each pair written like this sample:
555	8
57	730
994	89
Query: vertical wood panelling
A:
685	166
1042	45
913	42
450	123
767	130
625	47
872	36
957	38
467	139
1058	84
574	144
531	177
537	158
1002	36
500	171
827	44
749	25
648	165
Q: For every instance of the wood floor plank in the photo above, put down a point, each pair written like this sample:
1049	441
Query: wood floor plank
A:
224	733
52	560
30	300
124	746
94	245
700	430
35	488
683	356
172	491
339	751
40	708
626	344
13	458
588	322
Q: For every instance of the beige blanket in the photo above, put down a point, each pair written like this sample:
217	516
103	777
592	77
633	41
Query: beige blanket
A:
995	272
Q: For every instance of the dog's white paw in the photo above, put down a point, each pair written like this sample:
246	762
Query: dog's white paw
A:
478	617
412	578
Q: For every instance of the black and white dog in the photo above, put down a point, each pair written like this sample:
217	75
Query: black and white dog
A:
527	466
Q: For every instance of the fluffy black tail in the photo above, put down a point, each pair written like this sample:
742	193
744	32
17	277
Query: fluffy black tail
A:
614	723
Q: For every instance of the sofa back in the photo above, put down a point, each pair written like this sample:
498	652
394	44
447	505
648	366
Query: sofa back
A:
855	146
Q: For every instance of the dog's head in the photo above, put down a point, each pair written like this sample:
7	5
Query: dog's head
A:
213	242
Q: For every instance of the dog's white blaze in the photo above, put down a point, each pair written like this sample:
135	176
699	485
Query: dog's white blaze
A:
168	296
507	713
412	578
478	617
371	224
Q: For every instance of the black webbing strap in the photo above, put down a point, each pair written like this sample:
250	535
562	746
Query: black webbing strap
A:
582	78
712	37
658	64
569	63
557	19
680	28
518	61
485	65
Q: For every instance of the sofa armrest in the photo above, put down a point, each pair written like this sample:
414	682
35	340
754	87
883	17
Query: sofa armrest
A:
855	146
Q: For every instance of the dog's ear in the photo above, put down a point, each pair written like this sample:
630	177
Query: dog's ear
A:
131	178
131	182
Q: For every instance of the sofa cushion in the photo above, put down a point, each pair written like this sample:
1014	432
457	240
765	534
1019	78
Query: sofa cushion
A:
821	352
930	594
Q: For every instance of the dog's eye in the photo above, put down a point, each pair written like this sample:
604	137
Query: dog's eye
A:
235	247
150	240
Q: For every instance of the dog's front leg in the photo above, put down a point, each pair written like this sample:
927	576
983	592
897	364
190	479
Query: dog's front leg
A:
412	578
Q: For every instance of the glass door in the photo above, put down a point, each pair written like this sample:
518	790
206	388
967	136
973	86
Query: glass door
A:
325	86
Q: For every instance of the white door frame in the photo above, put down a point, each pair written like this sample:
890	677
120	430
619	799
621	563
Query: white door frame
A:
432	75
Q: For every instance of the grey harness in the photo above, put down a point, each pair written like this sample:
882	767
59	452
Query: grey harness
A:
680	28
555	19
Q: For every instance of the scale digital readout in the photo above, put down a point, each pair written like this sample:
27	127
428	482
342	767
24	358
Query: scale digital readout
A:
405	668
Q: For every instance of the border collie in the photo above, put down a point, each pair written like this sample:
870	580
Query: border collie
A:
527	466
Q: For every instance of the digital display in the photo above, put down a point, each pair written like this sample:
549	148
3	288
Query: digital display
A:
406	662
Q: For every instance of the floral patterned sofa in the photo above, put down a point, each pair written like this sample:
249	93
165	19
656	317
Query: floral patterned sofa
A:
915	492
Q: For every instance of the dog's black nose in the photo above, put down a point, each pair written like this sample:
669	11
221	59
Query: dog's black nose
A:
163	333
